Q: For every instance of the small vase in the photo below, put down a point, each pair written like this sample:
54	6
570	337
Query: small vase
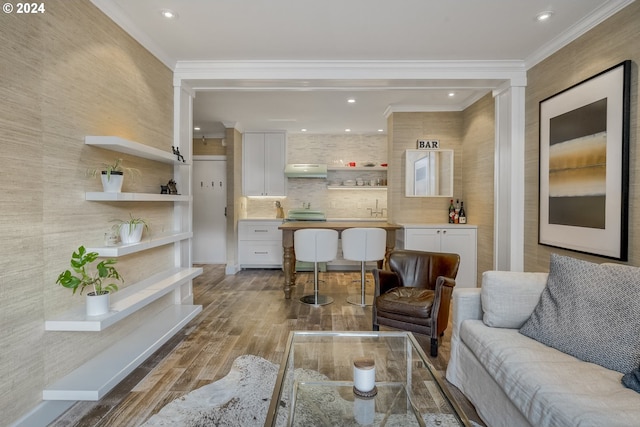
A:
112	183
129	234
97	305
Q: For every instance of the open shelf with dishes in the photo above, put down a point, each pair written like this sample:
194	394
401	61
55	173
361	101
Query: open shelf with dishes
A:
373	178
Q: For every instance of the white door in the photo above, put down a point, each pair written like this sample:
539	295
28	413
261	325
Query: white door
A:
209	206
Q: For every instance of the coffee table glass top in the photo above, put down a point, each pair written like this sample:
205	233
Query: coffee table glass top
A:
315	384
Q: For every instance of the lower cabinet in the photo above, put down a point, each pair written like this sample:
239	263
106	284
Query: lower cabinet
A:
260	243
459	239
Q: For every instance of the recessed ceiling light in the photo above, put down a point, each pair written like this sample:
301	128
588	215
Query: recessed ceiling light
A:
544	16
303	130
196	128
347	130
380	130
351	100
452	94
168	13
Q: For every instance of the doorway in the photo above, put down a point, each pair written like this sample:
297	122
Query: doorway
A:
209	210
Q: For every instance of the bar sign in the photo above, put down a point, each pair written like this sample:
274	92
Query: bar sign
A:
428	143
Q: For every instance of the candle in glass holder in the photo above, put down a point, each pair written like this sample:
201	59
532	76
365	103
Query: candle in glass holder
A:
364	374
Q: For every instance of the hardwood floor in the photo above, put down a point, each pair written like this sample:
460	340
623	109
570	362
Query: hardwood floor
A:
242	314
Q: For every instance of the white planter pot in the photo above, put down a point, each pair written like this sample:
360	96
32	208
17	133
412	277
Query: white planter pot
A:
112	184
131	235
97	305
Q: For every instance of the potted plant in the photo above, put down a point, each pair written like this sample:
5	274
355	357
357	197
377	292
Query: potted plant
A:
131	230
102	280
112	175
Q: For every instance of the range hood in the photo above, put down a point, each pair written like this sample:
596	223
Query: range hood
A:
305	170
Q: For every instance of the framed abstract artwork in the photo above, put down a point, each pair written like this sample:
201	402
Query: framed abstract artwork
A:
584	165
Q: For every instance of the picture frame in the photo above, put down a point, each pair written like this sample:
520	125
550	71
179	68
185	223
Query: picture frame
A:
584	165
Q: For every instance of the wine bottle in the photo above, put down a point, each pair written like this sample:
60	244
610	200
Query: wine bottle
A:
456	216
452	212
462	216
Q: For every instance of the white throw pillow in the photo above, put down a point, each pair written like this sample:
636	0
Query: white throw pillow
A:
509	297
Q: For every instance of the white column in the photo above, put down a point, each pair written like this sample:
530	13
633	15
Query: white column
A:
509	179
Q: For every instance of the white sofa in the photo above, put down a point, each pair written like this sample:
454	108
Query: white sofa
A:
516	381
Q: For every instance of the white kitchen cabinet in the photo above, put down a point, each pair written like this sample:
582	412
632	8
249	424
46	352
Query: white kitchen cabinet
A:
459	239
263	163
260	243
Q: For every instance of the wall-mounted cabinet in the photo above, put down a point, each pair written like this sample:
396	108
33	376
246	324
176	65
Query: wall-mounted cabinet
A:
264	157
95	378
459	239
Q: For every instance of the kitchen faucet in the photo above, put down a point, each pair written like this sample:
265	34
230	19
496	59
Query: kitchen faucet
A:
376	212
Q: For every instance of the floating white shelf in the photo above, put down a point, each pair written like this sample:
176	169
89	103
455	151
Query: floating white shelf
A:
357	187
94	379
357	168
153	242
99	196
124	302
121	145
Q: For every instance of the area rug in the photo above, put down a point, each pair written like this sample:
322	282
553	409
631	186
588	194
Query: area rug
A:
241	399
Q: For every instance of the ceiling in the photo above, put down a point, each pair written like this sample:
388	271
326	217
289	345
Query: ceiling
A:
313	32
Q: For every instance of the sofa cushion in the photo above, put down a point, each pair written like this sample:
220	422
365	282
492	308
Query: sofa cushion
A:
413	302
508	298
551	388
590	311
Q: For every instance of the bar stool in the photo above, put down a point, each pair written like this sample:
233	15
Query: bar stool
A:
363	244
315	245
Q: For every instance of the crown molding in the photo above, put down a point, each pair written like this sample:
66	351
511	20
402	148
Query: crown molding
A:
578	29
115	13
326	70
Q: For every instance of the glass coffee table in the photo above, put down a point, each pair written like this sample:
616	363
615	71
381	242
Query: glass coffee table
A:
315	384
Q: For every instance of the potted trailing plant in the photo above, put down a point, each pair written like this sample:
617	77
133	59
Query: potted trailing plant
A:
131	229
112	175
103	280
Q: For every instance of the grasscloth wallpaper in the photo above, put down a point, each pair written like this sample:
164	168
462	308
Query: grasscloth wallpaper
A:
68	73
608	44
470	133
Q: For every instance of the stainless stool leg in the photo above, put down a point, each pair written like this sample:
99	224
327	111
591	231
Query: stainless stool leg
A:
363	300
316	299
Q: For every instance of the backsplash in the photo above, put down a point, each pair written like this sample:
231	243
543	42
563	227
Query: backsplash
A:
336	203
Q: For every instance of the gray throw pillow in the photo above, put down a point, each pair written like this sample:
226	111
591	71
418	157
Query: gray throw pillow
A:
632	380
590	311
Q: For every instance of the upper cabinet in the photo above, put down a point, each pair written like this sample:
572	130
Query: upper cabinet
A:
263	162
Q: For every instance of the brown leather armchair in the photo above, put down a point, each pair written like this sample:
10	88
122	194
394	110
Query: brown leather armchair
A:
416	293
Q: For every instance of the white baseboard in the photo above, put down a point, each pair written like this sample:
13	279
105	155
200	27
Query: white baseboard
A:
44	414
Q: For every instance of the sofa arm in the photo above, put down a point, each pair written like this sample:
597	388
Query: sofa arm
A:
466	305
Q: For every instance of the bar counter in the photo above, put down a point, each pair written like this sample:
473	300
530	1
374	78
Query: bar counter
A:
288	228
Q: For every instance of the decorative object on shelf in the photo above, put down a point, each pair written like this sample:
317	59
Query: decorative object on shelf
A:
176	151
131	230
112	175
164	189
98	299
112	237
584	165
171	187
